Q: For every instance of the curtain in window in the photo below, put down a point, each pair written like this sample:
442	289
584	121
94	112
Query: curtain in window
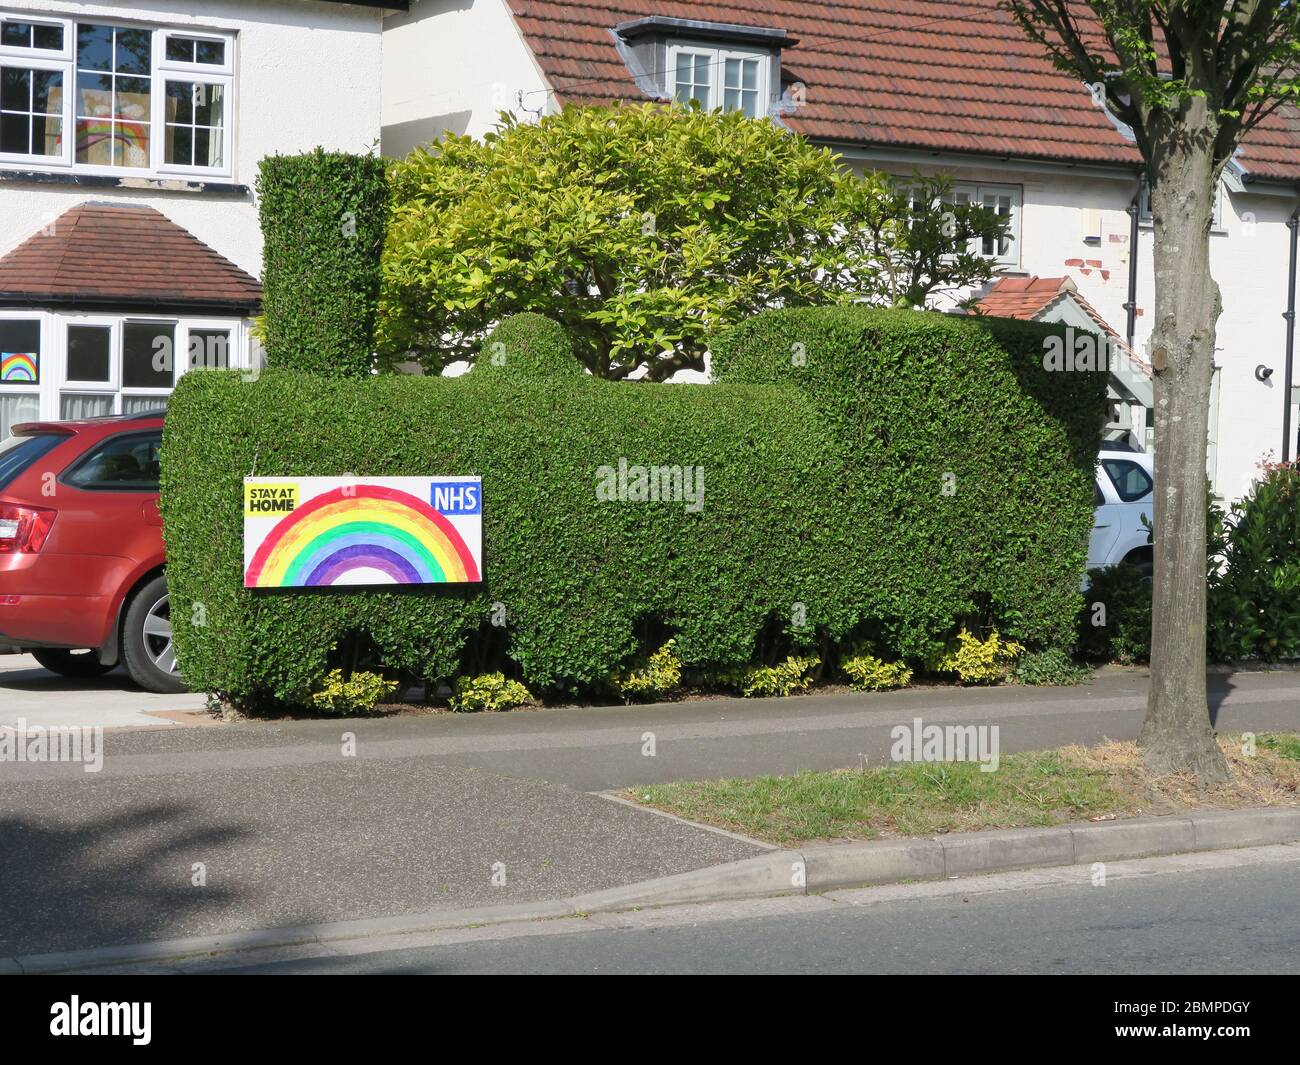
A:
73	405
17	408
141	404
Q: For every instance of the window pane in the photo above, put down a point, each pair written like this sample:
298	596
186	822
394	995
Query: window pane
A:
15	89
20	352
180	146
50	37
143	404
131	100
15	134
180	49
210	349
213	52
125	462
134	52
207	146
94	47
750	74
16	34
209	105
75	406
47	92
1130	480
17	408
147	353
733	73
89	349
702	69
180	102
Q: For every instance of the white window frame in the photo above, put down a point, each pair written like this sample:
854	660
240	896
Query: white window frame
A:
717	72
160	71
44	376
54	381
974	193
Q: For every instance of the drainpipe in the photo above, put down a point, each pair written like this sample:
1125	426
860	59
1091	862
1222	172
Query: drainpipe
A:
1293	224
1131	306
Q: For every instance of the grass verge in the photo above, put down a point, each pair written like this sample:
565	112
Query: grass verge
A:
929	798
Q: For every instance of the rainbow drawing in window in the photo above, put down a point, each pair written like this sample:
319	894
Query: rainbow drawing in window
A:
19	367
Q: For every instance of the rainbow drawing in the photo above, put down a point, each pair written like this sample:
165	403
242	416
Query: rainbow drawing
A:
19	367
318	532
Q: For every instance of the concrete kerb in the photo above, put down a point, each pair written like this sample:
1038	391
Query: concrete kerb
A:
782	872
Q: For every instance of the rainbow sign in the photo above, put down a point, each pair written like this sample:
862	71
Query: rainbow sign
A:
19	367
320	532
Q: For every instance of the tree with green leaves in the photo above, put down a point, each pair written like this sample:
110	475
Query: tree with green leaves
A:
642	229
1190	78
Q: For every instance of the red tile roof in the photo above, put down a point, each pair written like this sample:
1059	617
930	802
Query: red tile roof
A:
947	75
1029	297
99	253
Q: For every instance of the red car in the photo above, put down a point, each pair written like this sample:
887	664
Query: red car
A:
82	583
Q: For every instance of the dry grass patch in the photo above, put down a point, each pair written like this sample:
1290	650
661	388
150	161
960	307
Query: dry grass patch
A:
1031	789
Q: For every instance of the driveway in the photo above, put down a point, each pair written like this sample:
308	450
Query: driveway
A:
39	697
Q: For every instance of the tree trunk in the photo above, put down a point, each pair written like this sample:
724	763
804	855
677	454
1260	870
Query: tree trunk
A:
1177	735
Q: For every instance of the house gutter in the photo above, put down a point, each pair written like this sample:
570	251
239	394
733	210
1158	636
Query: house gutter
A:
1134	209
1293	224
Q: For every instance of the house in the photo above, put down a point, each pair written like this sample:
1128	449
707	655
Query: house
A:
930	85
130	135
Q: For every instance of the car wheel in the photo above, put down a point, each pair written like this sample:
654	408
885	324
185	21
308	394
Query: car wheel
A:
71	663
147	647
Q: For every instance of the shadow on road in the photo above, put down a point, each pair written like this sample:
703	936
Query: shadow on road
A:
109	880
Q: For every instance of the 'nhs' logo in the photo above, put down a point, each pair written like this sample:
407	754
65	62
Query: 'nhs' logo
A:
458	497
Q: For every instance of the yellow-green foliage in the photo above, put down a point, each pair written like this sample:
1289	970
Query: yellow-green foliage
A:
657	678
977	661
356	694
784	678
489	691
866	672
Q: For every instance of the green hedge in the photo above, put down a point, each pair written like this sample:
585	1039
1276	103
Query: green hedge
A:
823	512
324	216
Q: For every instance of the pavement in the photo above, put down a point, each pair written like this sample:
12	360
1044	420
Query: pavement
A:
230	828
1213	913
34	694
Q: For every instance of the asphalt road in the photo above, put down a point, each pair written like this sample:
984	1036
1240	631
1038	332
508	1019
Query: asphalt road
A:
1241	920
284	827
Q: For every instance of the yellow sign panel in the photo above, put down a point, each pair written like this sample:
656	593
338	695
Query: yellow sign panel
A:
265	499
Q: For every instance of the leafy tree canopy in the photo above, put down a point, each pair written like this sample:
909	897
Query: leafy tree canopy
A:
644	228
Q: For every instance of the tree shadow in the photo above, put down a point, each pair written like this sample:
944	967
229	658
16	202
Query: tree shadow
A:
105	881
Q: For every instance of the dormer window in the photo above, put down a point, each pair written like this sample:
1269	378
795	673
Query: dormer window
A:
720	66
719	78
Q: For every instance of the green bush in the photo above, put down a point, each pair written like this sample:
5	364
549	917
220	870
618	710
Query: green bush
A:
528	345
1115	623
489	692
324	217
1253	609
357	694
1049	667
866	672
966	484
762	682
659	677
818	514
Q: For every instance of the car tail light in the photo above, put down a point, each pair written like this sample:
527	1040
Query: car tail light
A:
23	529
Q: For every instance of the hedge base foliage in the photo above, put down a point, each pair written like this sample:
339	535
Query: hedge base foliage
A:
824	513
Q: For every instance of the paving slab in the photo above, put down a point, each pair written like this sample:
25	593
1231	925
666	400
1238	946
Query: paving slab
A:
31	693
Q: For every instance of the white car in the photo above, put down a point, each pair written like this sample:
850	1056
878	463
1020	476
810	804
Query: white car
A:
1125	483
